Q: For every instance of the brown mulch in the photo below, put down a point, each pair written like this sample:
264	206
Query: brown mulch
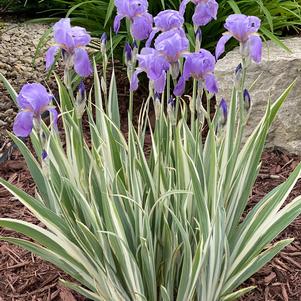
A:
280	280
24	276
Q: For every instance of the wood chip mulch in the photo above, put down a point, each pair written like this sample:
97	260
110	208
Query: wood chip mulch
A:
25	277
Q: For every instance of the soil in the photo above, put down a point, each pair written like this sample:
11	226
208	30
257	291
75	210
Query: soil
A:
25	277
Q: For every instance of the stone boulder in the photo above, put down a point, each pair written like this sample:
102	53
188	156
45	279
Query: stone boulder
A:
276	72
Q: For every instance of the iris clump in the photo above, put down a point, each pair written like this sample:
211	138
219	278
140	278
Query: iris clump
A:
167	224
72	41
33	100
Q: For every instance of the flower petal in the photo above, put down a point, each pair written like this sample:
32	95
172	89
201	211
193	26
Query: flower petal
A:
80	36
63	33
220	47
180	87
211	84
23	124
151	37
82	64
134	80
255	44
34	97
50	56
159	84
205	12
117	21
183	6
142	26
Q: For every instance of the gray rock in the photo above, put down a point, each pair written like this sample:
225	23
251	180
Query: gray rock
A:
18	44
9	112
19	52
5	37
276	72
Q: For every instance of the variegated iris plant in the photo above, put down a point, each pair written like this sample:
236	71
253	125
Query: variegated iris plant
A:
167	224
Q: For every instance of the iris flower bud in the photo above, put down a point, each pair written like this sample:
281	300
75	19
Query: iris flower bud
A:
80	101
128	53
223	112
44	154
135	44
238	76
198	36
247	100
171	109
103	42
134	51
157	105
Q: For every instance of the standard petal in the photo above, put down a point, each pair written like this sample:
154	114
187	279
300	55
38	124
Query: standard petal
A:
54	115
183	6
142	26
64	23
117	21
255	44
50	56
211	83
82	64
23	124
220	47
34	97
205	12
159	84
180	87
80	36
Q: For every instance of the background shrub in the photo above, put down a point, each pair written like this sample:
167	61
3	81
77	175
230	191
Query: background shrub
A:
278	16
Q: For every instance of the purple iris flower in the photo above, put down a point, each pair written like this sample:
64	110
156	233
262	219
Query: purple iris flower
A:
72	41
172	44
33	101
244	29
154	65
199	65
136	12
205	11
166	20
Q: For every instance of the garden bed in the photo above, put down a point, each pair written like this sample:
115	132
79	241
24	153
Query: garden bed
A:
24	276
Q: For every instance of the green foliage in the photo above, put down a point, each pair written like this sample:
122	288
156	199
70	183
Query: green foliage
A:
278	16
29	8
163	226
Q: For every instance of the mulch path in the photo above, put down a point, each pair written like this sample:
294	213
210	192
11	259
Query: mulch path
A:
24	276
